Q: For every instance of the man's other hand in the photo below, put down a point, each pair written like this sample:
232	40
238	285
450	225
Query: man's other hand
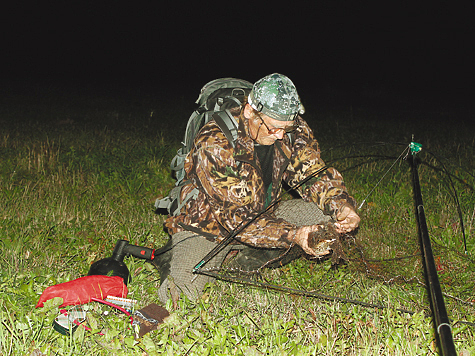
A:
348	220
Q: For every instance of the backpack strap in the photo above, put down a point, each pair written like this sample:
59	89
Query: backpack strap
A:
172	202
231	100
227	124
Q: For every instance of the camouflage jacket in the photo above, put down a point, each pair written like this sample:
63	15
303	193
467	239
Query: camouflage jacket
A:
231	190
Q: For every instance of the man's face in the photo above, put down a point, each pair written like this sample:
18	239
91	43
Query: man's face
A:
264	129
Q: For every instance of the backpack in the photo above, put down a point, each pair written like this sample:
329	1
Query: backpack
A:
215	100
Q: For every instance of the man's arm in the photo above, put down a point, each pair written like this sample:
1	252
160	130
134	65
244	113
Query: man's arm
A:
235	196
327	189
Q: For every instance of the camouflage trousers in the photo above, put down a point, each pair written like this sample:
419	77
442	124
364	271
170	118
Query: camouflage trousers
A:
185	250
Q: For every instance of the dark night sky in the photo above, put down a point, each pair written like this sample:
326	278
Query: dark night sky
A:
405	49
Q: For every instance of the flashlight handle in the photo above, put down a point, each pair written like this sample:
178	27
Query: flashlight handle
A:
140	252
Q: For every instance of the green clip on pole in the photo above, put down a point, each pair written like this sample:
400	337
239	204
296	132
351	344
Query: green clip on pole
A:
415	148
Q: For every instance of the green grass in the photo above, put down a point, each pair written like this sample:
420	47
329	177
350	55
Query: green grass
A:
76	177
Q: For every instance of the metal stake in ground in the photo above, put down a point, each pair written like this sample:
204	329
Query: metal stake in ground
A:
442	322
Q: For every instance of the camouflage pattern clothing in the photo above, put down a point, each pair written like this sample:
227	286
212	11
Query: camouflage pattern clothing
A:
231	188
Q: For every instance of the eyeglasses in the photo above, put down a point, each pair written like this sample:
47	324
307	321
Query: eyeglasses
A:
275	130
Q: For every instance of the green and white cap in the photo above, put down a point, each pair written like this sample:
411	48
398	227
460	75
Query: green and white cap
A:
276	96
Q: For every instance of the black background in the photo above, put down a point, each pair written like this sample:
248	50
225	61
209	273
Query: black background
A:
421	53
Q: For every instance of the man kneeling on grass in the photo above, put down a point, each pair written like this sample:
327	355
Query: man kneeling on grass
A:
274	144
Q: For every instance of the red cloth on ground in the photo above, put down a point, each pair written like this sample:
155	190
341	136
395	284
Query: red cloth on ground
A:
81	290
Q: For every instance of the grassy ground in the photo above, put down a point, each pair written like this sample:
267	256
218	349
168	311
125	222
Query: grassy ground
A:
78	174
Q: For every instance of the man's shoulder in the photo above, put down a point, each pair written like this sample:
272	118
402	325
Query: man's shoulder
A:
211	135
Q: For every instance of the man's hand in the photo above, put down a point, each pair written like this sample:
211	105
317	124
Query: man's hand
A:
301	239
348	220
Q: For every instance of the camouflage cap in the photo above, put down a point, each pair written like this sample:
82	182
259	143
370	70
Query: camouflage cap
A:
276	96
